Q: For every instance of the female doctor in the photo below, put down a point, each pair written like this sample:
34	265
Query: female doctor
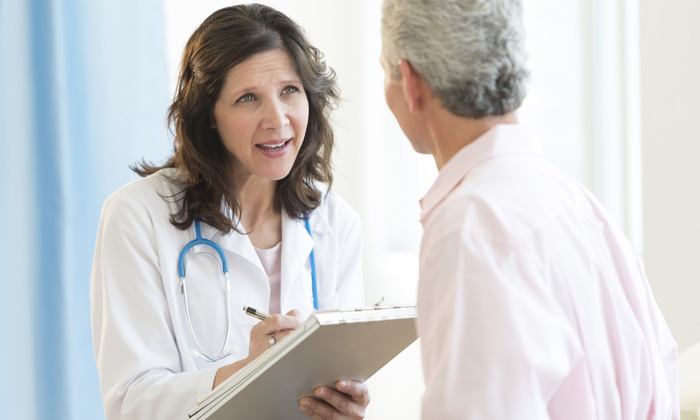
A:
240	194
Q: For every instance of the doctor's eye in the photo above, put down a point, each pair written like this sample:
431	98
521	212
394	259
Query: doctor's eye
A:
289	89
248	97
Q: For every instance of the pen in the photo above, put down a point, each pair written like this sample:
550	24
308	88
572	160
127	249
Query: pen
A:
255	313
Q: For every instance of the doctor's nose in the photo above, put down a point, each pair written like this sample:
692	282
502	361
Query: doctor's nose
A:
275	116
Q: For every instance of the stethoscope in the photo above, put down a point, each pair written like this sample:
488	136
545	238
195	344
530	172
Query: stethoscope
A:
198	240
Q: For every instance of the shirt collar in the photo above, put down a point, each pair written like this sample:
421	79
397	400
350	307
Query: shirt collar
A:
501	140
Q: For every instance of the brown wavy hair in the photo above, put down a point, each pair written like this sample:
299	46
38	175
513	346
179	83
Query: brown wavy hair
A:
226	38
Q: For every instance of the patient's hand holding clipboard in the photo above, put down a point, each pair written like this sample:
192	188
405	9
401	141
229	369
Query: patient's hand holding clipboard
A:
329	346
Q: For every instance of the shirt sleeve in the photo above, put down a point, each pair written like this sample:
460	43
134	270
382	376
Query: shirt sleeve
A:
668	351
494	343
135	349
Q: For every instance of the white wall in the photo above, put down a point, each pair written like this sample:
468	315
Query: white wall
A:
670	92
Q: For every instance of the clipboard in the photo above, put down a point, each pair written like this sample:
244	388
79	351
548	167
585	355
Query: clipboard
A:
330	345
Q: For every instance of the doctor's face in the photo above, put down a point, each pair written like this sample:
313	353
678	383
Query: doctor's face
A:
261	116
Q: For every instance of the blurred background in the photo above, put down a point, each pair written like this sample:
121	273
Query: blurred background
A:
84	88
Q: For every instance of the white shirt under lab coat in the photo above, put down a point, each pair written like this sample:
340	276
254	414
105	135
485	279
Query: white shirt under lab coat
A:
141	340
531	303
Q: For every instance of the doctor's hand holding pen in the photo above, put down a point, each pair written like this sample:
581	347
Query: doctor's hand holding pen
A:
347	402
272	329
266	333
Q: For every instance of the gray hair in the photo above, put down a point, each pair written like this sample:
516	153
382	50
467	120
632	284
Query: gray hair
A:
470	52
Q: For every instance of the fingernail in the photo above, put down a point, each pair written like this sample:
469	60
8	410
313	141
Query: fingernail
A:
321	392
343	384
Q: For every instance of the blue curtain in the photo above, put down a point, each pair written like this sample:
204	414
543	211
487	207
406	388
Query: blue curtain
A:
83	93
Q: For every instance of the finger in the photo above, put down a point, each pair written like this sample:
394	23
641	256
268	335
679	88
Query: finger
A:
318	410
272	327
277	323
258	344
280	335
276	327
307	406
295	313
341	402
358	391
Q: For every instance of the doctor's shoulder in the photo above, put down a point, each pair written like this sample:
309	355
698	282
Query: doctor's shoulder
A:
337	213
149	198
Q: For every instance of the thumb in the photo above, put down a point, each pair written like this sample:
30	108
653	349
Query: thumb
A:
295	313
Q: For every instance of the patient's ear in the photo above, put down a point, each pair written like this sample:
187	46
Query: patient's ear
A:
413	86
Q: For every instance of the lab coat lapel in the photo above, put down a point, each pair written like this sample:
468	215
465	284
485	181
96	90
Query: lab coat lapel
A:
233	243
296	267
296	274
246	273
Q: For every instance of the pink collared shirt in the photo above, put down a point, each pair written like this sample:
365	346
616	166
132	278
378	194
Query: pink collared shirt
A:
271	260
531	302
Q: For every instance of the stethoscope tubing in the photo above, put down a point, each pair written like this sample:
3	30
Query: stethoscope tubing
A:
314	285
224	268
198	240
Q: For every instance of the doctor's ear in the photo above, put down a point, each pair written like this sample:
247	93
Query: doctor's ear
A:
413	86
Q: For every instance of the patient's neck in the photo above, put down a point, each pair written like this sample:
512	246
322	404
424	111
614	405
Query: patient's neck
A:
451	133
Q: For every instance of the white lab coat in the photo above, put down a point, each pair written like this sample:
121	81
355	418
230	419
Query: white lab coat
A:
141	340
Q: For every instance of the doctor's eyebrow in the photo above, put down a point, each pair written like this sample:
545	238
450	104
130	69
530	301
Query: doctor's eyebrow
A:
291	82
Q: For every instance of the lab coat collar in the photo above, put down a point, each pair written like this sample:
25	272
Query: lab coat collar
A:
501	140
233	242
296	290
295	266
318	222
296	274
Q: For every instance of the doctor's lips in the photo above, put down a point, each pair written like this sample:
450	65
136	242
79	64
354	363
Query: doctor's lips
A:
273	145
